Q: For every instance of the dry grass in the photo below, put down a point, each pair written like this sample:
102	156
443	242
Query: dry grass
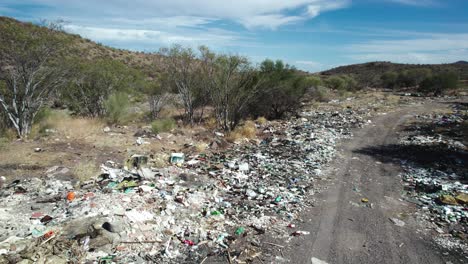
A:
211	123
248	130
261	121
77	128
85	170
201	147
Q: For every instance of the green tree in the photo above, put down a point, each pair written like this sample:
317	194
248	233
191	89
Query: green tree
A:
336	83
95	81
30	67
350	83
282	88
117	108
314	81
232	84
390	79
439	83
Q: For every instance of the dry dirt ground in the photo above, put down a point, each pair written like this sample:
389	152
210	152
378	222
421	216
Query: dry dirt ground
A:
346	230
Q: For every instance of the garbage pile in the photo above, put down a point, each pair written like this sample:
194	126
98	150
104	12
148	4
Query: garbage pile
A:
440	188
207	204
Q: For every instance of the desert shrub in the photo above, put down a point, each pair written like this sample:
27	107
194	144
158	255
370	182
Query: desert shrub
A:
211	123
320	93
117	108
350	83
247	130
85	170
3	142
389	79
314	81
336	83
93	83
413	77
42	121
43	114
261	120
280	90
163	125
439	83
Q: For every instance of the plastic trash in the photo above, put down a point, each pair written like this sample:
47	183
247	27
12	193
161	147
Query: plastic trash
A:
240	231
71	196
177	158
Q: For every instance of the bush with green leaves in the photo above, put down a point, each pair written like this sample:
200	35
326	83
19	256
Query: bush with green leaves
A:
439	83
336	83
163	125
117	108
94	82
320	93
389	79
281	88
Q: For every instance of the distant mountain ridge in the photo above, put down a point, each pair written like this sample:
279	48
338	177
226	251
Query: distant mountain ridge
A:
369	73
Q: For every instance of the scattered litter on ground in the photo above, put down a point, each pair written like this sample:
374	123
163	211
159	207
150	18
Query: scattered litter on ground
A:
193	206
438	184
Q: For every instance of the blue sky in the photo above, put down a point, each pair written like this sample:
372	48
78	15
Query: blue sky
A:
313	35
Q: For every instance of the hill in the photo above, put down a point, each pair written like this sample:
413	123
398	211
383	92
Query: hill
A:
369	73
85	48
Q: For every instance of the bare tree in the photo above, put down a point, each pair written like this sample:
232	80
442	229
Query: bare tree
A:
183	71
30	70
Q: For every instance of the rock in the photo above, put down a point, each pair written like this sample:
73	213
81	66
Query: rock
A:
448	199
397	222
462	198
251	193
55	260
2	181
317	261
106	130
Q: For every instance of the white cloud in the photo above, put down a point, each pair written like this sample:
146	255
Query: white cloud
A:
436	42
250	13
308	63
435	48
417	2
414	57
153	38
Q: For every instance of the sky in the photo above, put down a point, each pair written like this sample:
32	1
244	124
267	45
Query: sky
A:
312	35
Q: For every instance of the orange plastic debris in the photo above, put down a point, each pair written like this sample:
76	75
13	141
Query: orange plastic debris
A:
49	234
71	196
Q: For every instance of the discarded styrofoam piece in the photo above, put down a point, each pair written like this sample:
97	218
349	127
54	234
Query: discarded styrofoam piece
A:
139	216
244	166
177	158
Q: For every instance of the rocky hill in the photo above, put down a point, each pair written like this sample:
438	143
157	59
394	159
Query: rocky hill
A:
86	48
369	73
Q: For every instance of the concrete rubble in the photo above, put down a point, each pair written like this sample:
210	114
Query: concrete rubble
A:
194	207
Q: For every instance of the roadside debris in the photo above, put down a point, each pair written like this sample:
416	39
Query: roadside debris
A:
397	222
439	186
146	210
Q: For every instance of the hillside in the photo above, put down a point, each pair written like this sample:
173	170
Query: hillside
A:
86	48
369	73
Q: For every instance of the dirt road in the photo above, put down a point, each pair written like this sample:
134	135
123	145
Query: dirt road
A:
346	230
